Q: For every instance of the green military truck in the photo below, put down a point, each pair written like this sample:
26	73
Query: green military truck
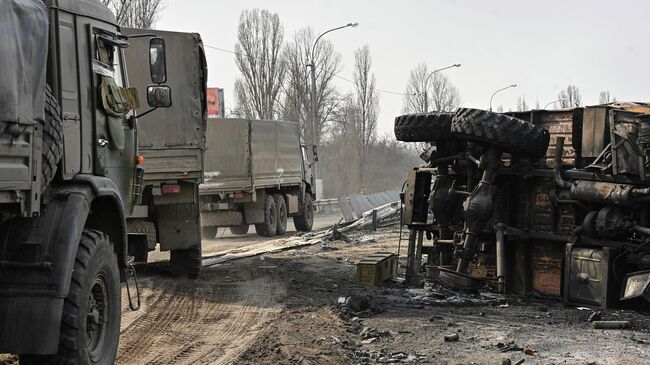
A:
172	142
256	172
68	178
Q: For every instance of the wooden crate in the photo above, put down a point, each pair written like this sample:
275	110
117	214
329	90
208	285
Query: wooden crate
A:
377	268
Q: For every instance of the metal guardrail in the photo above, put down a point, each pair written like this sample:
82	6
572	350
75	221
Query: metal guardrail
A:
327	205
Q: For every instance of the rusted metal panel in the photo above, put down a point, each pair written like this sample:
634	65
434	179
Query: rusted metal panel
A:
546	268
594	131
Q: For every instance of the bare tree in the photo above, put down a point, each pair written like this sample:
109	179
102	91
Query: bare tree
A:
521	104
296	103
442	94
500	109
136	13
606	98
570	98
258	57
366	102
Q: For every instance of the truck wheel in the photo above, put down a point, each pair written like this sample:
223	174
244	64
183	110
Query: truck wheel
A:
281	206
240	230
142	226
512	134
90	324
423	127
188	262
209	232
269	226
52	138
305	220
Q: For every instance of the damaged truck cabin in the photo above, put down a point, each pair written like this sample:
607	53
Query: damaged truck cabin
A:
171	142
256	173
552	202
67	179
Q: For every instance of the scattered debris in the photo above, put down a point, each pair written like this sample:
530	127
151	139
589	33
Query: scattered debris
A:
451	338
520	362
510	346
506	362
530	351
583	308
369	332
609	325
595	316
506	305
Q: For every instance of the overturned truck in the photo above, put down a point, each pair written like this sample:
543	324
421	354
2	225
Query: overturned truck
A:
550	202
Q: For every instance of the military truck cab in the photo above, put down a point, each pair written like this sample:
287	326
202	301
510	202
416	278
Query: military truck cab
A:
68	162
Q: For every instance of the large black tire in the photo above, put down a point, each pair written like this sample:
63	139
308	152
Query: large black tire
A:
142	226
270	225
512	134
305	220
423	127
281	206
187	262
90	325
52	138
209	232
239	230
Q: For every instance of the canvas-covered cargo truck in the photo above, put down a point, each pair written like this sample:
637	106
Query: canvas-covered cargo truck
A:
256	173
172	142
68	177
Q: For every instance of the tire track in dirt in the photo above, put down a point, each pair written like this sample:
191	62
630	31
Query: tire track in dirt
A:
209	321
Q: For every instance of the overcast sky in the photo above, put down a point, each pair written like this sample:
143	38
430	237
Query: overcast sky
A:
542	46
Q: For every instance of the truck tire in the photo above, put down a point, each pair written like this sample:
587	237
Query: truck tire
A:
512	134
305	220
187	262
52	139
269	226
281	206
239	230
423	127
142	226
90	324
209	232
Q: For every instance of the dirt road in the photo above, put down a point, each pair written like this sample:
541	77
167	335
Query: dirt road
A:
281	308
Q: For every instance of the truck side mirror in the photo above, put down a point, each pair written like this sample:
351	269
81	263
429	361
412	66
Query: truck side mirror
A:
159	96
157	61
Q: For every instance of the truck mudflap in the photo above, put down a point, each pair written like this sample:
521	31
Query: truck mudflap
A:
36	260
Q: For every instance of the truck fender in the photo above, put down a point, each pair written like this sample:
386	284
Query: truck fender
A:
37	259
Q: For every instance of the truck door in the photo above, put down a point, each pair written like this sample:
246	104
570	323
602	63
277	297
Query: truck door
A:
115	151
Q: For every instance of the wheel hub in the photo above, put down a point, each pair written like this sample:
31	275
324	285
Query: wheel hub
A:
96	317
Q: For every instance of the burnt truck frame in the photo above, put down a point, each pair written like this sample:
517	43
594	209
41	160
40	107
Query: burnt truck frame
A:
497	203
172	143
68	179
256	173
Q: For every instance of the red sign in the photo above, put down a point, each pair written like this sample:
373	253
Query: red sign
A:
215	102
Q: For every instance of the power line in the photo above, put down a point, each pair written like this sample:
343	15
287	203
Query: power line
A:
336	75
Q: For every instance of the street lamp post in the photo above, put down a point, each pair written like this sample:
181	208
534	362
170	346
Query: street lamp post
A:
503	88
310	127
552	102
426	81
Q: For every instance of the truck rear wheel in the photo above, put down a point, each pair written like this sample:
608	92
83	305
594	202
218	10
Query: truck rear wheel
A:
305	220
209	232
90	324
512	134
187	262
269	226
423	127
281	206
240	230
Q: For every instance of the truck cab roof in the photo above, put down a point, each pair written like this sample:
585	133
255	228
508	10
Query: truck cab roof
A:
90	8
